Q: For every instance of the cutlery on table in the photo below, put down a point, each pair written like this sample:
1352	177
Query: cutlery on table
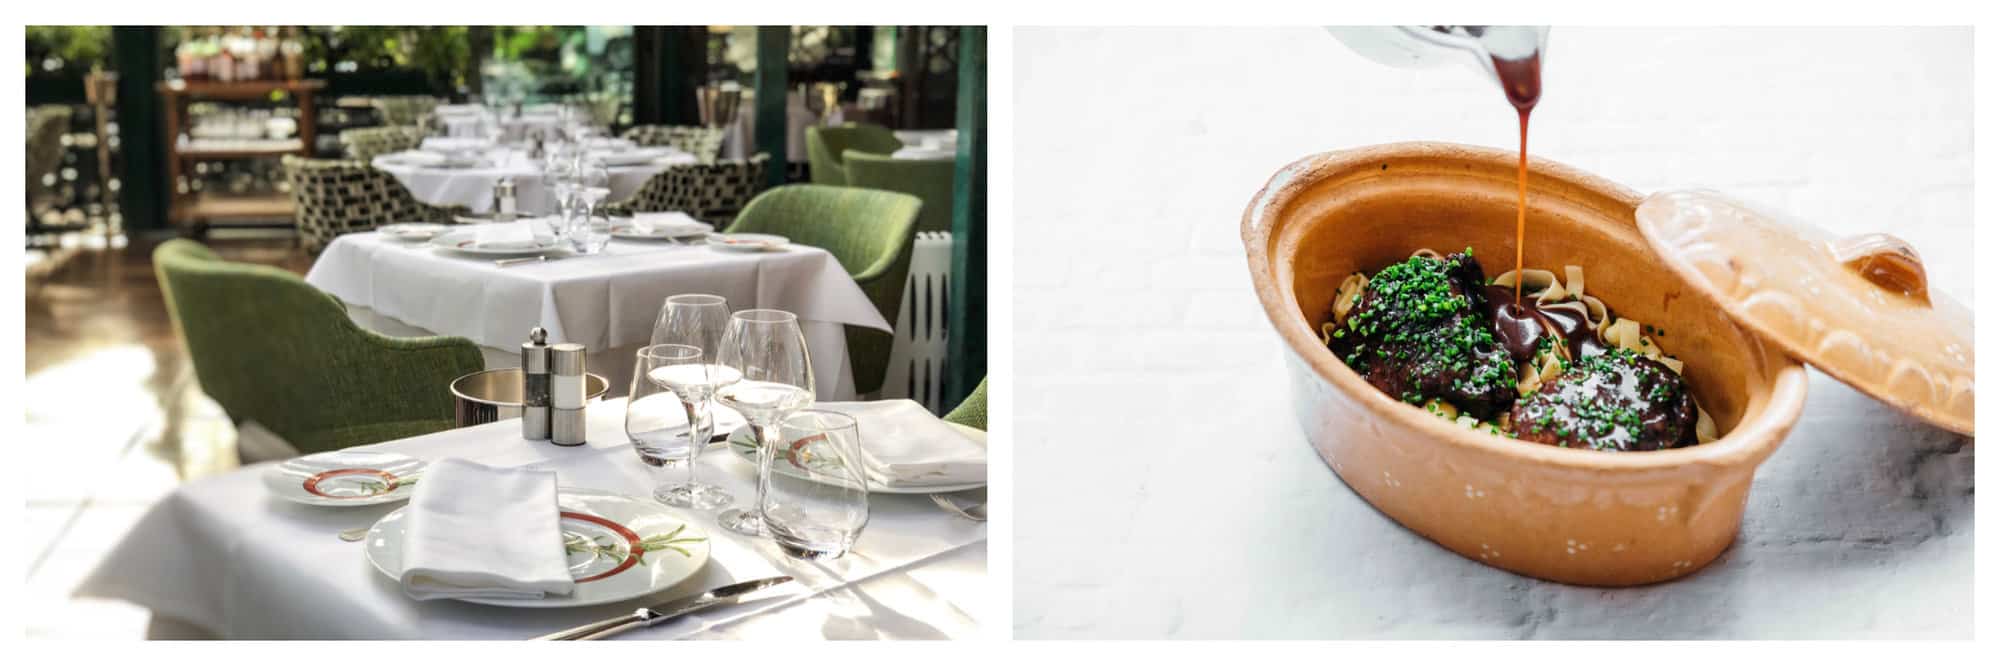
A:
355	534
503	263
646	617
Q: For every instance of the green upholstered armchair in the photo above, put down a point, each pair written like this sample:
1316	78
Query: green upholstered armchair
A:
272	349
972	412
929	180
868	231
825	145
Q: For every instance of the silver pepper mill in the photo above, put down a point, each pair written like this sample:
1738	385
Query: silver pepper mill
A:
535	385
566	366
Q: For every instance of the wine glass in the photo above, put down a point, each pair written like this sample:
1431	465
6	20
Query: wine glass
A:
815	511
769	349
592	187
697	320
557	174
670	381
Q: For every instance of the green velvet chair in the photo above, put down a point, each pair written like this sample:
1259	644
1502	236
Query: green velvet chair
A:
826	145
868	231
272	349
929	180
972	412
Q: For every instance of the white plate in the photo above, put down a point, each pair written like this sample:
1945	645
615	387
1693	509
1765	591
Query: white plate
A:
456	144
631	157
744	444
411	231
467	241
430	160
620	548
345	478
609	144
747	242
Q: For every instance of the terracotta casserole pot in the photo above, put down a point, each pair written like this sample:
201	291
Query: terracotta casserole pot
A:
1569	515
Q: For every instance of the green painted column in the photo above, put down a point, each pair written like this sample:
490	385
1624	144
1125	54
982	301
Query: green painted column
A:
965	349
773	48
142	197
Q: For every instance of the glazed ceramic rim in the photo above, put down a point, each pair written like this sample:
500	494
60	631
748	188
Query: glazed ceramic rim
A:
1751	441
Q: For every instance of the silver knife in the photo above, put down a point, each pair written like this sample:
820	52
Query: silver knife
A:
646	617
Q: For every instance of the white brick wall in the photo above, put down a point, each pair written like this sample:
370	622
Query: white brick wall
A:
1162	488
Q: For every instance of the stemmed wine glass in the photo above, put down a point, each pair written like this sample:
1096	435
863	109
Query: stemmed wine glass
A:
592	187
698	320
558	173
769	349
664	374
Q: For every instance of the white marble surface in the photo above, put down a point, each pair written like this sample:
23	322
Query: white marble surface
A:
1166	492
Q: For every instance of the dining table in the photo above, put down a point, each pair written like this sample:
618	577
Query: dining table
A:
606	301
228	557
471	186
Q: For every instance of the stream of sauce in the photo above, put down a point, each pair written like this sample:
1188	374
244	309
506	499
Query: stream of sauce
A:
1522	80
1520	327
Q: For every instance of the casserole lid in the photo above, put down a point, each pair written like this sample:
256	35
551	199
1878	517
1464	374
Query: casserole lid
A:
1857	308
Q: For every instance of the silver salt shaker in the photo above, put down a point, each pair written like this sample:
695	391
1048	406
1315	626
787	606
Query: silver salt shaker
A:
566	393
504	201
535	385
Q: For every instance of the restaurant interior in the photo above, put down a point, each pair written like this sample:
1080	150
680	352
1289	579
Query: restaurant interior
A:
270	256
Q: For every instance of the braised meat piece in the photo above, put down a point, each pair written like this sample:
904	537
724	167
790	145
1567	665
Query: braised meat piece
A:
1418	332
1614	401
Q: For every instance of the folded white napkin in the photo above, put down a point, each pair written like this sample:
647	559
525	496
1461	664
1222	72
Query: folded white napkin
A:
478	532
903	444
506	234
675	224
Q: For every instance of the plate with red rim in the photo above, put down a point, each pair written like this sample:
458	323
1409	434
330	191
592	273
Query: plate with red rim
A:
743	442
748	242
345	478
619	548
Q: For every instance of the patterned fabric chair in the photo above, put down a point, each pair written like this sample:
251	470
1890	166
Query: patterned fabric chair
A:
825	145
46	125
712	193
868	231
272	349
972	412
334	197
365	143
405	110
930	180
705	143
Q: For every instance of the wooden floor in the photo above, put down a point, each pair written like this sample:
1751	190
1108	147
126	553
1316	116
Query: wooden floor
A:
109	389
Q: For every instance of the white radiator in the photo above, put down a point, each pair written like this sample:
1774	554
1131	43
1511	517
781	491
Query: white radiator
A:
916	359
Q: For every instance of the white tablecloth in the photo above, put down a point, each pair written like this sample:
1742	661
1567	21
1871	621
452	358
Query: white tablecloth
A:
606	302
225	556
473	188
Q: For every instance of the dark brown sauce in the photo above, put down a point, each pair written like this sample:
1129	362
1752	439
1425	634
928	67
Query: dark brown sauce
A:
1520	327
1522	80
